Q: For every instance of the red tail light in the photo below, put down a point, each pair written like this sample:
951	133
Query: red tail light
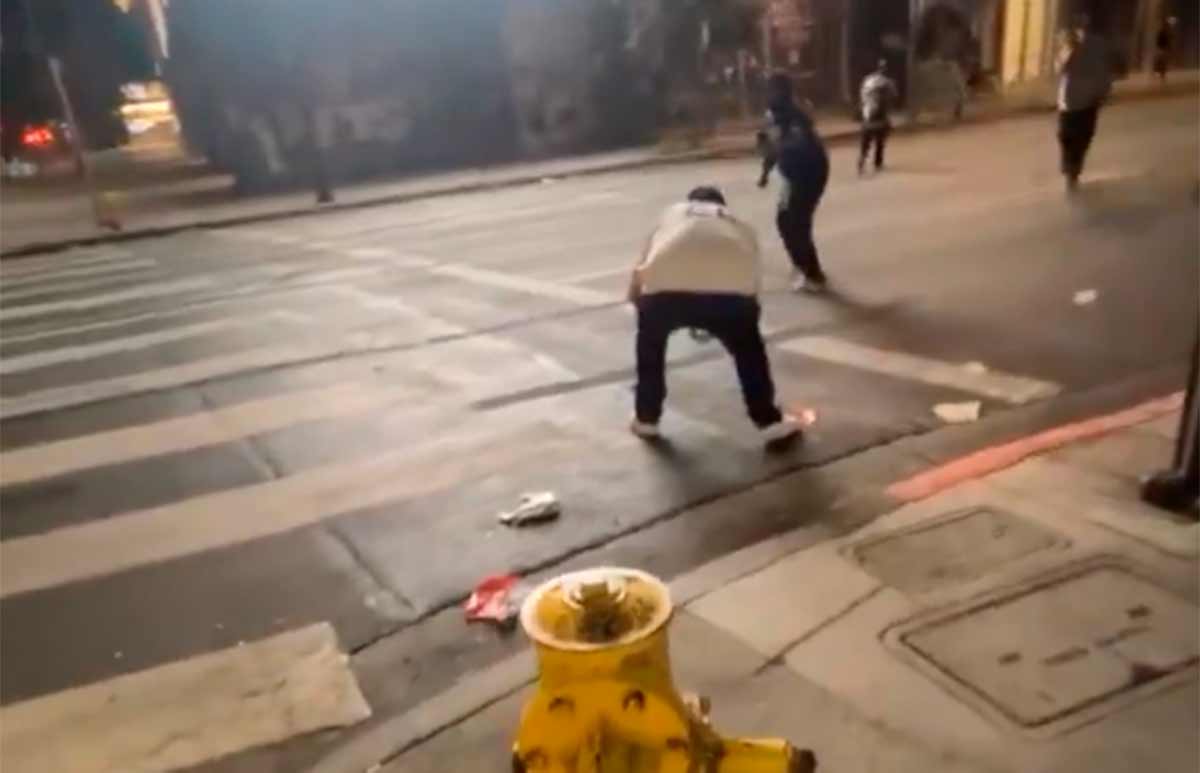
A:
37	136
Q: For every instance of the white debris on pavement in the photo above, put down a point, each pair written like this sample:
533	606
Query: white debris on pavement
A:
958	413
534	507
1084	297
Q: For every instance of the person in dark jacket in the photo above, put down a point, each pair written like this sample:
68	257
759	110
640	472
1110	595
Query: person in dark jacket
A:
1164	42
1085	79
791	143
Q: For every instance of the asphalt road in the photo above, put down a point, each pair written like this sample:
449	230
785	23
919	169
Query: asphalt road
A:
219	436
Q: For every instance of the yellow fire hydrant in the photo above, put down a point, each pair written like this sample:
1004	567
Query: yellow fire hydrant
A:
605	700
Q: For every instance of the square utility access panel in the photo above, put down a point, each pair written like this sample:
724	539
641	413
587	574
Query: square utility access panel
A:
954	548
1067	647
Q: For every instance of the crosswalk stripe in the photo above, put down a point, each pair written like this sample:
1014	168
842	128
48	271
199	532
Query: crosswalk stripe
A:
446	362
188	433
138	264
235	284
575	295
90	327
238	515
594	275
60	261
430	325
988	383
143	292
188	712
180	375
102	283
463	219
58	356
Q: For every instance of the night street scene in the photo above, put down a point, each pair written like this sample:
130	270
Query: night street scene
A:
600	386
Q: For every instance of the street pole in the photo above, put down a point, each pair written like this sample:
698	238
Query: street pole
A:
102	217
1024	48
100	213
910	56
323	190
768	58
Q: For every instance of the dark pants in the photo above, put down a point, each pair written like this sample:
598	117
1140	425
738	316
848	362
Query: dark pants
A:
877	136
1161	61
795	218
1075	131
731	319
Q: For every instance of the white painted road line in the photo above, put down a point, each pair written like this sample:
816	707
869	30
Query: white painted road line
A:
144	292
419	323
625	270
234	516
59	261
89	327
575	295
187	433
138	264
40	359
989	383
106	283
166	378
476	359
188	712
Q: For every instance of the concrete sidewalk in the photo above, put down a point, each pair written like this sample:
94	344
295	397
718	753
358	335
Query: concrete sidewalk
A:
38	218
1036	618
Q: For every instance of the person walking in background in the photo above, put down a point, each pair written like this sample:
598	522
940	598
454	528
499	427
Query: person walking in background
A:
878	95
791	143
1085	66
1164	43
700	270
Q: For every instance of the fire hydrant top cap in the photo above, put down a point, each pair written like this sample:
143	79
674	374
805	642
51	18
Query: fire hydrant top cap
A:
596	608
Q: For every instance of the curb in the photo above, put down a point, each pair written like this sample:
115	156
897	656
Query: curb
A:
476	691
735	150
487	686
987	461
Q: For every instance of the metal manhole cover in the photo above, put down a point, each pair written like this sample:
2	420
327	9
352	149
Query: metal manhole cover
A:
1047	652
951	549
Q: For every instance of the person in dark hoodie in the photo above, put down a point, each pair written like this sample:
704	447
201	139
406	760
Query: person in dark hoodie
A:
791	143
1085	67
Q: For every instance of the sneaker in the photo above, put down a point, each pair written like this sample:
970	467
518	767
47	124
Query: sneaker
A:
644	429
803	284
781	433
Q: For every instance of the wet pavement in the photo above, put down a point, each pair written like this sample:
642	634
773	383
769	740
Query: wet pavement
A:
219	436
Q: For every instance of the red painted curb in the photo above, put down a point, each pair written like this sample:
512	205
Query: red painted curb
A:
989	460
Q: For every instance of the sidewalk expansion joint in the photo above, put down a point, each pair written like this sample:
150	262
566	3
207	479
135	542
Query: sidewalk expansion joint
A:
778	658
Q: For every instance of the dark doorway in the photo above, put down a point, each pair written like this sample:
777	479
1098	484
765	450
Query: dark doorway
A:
878	29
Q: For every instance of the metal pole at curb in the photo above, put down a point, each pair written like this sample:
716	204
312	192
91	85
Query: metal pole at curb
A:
101	212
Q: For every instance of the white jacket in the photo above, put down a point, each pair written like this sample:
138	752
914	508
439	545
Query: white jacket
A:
700	247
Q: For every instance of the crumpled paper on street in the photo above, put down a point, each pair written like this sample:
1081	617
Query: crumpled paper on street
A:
491	599
958	413
975	368
533	507
497	599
